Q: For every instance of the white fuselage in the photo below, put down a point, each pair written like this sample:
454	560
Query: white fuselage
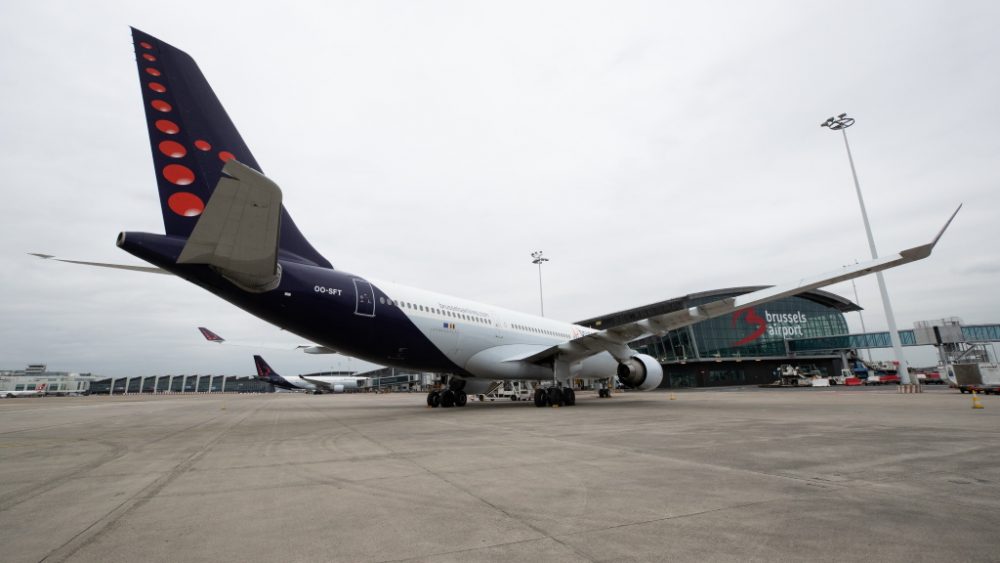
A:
486	340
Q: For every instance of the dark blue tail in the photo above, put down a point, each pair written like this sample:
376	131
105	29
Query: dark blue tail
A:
265	372
191	137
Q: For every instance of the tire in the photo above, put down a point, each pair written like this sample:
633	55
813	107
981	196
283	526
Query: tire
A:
434	399
569	397
555	396
513	397
447	398
541	398
461	398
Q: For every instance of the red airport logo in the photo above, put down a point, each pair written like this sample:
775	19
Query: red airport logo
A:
753	319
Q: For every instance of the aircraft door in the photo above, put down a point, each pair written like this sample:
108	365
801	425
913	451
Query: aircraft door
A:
365	295
498	329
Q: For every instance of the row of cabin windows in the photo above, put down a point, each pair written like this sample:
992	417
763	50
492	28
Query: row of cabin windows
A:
444	313
540	331
441	312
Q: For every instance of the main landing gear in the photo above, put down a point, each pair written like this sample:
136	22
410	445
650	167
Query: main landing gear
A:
453	396
555	397
447	398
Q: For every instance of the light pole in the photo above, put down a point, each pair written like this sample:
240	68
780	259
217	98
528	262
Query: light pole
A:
537	255
864	330
841	123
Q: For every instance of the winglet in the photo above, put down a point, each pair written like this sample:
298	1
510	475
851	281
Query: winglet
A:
923	251
945	227
211	336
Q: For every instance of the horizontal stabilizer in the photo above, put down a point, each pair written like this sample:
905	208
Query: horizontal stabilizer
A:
144	269
238	231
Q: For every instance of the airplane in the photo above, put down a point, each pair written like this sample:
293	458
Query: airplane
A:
227	231
315	384
215	338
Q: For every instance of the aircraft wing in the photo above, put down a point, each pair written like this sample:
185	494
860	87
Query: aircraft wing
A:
307	348
615	340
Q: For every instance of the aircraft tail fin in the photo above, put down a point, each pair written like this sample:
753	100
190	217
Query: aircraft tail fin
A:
191	138
264	371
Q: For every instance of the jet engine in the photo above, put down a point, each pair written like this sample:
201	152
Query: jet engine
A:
640	372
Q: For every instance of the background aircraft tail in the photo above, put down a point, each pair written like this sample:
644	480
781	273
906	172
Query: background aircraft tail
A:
264	371
191	138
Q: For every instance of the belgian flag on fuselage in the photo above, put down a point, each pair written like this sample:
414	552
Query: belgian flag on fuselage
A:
191	137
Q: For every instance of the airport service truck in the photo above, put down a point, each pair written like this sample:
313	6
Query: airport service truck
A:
979	377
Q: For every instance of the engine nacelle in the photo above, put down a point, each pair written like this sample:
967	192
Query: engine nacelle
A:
640	372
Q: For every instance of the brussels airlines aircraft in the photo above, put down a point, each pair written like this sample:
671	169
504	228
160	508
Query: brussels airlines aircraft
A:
227	231
316	384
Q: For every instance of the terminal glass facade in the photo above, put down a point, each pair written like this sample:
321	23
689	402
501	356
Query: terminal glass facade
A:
750	333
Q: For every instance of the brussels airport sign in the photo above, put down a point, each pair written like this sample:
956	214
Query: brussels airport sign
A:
781	325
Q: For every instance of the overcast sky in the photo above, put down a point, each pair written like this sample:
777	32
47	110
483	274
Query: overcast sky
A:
650	149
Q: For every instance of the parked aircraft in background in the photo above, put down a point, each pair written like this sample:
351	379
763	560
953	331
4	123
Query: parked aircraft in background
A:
228	232
308	349
315	384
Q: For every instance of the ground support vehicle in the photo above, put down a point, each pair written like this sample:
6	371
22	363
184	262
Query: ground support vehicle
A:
512	390
931	378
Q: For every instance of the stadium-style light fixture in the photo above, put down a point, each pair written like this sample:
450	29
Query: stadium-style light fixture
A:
841	123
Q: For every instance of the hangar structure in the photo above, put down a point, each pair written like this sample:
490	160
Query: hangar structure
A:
745	347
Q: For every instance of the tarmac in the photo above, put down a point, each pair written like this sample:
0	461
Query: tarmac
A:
740	474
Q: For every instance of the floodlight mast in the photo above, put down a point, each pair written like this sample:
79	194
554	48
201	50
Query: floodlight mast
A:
538	259
841	123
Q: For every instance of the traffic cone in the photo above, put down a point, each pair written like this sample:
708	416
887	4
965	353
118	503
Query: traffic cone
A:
673	397
975	401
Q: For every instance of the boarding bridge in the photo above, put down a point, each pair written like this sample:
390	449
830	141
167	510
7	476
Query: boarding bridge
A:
971	334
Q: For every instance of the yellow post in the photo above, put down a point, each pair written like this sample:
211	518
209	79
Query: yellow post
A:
975	401
673	397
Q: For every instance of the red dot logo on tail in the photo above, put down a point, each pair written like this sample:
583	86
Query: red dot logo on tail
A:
186	204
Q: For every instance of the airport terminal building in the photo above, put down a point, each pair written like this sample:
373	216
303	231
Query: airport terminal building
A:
745	347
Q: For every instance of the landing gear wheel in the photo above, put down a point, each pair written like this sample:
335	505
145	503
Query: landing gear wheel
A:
434	399
555	397
541	398
461	398
569	397
447	398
